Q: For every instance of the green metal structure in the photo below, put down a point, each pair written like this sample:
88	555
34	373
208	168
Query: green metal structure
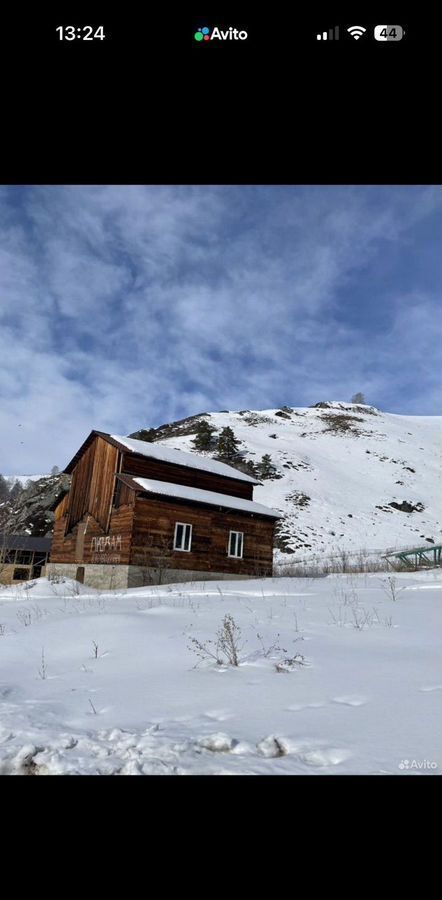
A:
418	556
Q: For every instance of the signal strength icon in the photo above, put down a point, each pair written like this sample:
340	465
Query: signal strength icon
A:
331	35
356	31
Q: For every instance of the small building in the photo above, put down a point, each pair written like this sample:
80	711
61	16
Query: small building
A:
139	513
23	557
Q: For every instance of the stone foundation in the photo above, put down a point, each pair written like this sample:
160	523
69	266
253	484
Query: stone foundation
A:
107	577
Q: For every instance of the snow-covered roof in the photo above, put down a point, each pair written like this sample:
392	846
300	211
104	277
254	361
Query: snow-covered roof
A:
180	458
197	495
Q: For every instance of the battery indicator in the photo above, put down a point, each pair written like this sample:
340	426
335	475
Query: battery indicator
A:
388	33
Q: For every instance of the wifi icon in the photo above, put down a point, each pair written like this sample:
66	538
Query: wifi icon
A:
356	31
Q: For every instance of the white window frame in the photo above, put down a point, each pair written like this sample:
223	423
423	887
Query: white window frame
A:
236	555
184	525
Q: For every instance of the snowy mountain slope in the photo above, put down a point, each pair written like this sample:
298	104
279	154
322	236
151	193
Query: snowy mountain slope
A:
339	467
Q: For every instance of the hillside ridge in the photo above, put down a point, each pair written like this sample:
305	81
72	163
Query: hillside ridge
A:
346	475
343	475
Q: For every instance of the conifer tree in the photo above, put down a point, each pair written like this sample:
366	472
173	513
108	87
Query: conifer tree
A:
246	466
266	468
146	434
203	439
228	444
250	468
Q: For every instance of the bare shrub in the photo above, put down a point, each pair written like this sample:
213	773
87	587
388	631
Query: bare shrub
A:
225	649
27	615
43	669
56	578
24	616
357	616
206	650
273	648
338	617
390	587
254	419
344	560
346	597
362	618
74	588
229	637
341	561
337	423
290	663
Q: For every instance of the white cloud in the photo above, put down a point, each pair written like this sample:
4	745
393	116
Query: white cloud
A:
129	306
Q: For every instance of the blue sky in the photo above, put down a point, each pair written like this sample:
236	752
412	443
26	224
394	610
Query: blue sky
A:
124	307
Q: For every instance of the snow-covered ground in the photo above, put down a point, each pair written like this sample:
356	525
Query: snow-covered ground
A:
108	683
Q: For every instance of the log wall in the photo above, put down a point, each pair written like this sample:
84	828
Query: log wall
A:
154	527
93	482
87	542
142	467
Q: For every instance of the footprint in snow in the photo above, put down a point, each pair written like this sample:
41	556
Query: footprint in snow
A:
353	700
324	757
296	707
219	715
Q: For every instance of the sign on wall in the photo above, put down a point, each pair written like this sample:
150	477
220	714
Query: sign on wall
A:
103	549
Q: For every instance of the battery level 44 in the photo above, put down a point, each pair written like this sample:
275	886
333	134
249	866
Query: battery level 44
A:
388	32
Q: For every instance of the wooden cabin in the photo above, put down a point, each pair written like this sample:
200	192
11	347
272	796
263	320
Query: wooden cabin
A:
139	513
23	557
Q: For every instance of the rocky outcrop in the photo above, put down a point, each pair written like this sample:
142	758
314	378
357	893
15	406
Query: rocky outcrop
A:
407	507
31	512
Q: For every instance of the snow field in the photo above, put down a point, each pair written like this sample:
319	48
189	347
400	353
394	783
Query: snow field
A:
109	683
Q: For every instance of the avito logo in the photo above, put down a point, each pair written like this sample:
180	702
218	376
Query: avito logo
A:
203	34
231	34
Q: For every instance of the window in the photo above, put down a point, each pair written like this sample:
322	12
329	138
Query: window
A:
24	557
40	559
236	540
183	536
21	574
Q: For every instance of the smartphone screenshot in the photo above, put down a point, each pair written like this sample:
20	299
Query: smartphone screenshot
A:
220	417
